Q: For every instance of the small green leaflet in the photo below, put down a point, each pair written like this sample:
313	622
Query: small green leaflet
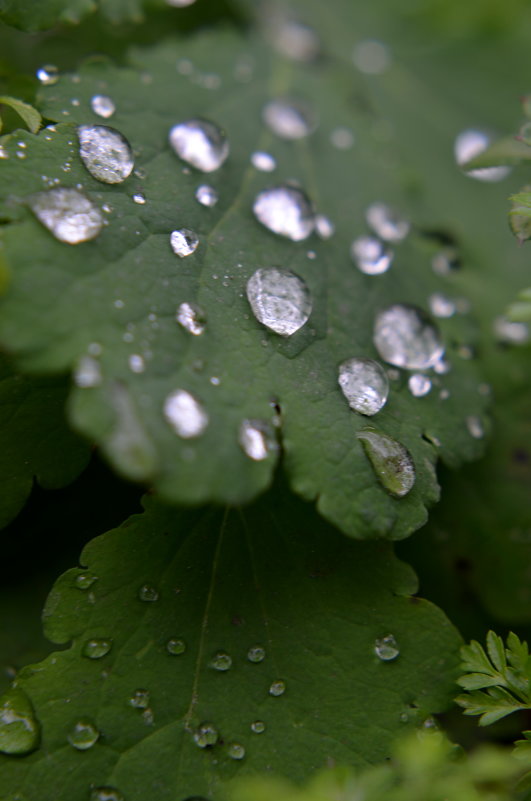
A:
27	113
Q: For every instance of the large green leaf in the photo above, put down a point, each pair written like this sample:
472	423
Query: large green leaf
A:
119	293
274	576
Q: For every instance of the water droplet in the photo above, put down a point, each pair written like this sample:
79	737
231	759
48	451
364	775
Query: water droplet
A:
364	384
371	57
148	593
184	242
136	363
280	300
470	144
185	414
256	653
406	337
442	367
3	153
191	318
236	751
68	214
264	162
221	661
391	461
258	726
419	385
386	223
206	195
475	427
295	40
105	153
139	198
85	580
87	373
139	699
440	305
288	119
256	439
96	648
103	106
444	394
200	143
106	794
511	332
83	735
180	3
324	227
370	255
342	138
285	210
175	647
277	688
206	734
19	729
48	74
386	648
445	261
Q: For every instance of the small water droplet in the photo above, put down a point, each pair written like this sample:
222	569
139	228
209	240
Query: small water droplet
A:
295	40
386	648
106	794
184	242
3	153
288	119
371	57
370	255
440	305
512	333
406	337
85	580
105	152
442	367
175	647
87	373
96	648
386	223
200	143
21	154
364	384
236	751
48	74
136	363
68	214
470	144
206	195
445	261
83	735
220	661
185	414
280	300
139	198
285	210
390	460
475	427
102	105
444	394
19	729
342	138
215	380
180	3
258	726
264	162
139	699
256	439
148	593
205	735
277	688
256	653
419	385
324	227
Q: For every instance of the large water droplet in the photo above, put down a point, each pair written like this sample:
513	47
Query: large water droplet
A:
370	255
87	373
106	794
391	461
206	195
221	661
48	74
191	317
277	688
183	242
258	726
285	210
206	734
105	153
386	648
407	337
470	144
19	729
176	647
419	385
148	594
68	214
256	653
264	162
83	735
236	751
139	699
256	439
102	105
386	223
288	119
364	384
96	648
185	414
280	300
200	143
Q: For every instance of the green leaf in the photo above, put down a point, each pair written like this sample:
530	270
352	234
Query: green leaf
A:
27	113
120	291
520	215
33	431
274	576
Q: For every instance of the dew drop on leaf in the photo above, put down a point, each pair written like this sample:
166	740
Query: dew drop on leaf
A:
445	261
180	3
200	143
48	74
386	223
206	734
183	242
236	751
405	336
277	688
364	384
419	385
324	227
191	318
258	726
288	119
102	105
106	794
386	648
139	199
285	210
19	728
280	300
139	699
263	162
510	332
468	145
256	653
475	427
136	363
175	647
221	661
96	648
371	57
206	195
391	461
87	373
255	439
105	152
295	40
185	414
85	580
440	305
68	214
148	594
370	255
83	735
